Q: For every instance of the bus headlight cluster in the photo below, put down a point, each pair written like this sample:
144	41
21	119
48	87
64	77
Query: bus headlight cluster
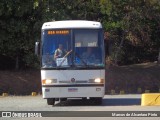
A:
49	81
97	80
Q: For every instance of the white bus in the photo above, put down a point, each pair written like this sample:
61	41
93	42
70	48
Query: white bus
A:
80	71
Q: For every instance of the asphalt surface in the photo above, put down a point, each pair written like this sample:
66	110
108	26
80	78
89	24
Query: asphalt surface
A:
110	103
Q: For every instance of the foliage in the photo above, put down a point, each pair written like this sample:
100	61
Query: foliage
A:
20	28
133	26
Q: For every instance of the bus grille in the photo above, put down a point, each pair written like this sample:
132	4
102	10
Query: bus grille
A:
78	81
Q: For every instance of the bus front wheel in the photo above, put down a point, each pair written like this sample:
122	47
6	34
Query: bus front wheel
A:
51	101
97	100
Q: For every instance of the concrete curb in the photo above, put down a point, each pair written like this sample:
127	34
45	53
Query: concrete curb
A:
150	99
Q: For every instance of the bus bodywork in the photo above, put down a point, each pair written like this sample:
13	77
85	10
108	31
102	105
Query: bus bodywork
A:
72	76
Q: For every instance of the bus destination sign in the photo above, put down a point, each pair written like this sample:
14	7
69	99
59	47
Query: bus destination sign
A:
52	32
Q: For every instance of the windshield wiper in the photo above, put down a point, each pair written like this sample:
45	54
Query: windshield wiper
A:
65	57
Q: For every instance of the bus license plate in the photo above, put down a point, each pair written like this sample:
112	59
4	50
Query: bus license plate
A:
72	89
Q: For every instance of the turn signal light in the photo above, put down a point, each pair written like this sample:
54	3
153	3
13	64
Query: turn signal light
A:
49	81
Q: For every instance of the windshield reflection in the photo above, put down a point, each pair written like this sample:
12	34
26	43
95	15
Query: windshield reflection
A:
88	57
59	52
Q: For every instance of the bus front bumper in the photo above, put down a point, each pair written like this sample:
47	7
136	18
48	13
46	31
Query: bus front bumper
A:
73	91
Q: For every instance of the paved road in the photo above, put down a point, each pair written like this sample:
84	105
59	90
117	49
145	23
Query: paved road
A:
110	103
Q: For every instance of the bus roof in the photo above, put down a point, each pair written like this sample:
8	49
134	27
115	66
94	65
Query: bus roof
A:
71	24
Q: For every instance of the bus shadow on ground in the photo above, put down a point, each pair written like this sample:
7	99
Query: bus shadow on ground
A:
122	102
105	102
76	103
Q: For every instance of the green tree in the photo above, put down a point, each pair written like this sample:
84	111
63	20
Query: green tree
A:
134	27
20	28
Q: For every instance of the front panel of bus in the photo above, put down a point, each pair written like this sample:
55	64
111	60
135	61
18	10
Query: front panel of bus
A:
81	71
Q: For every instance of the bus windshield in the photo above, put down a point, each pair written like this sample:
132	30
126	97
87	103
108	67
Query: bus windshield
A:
72	48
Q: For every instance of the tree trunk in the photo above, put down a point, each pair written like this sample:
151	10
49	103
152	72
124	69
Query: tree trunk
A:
118	50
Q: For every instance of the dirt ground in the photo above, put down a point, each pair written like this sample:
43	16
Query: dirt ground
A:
20	82
128	78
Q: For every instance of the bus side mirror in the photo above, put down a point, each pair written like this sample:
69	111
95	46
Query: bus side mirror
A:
37	48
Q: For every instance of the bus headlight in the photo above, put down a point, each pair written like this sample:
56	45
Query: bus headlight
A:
49	81
98	80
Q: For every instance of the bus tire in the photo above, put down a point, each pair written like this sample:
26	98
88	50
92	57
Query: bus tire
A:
97	100
51	101
63	99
